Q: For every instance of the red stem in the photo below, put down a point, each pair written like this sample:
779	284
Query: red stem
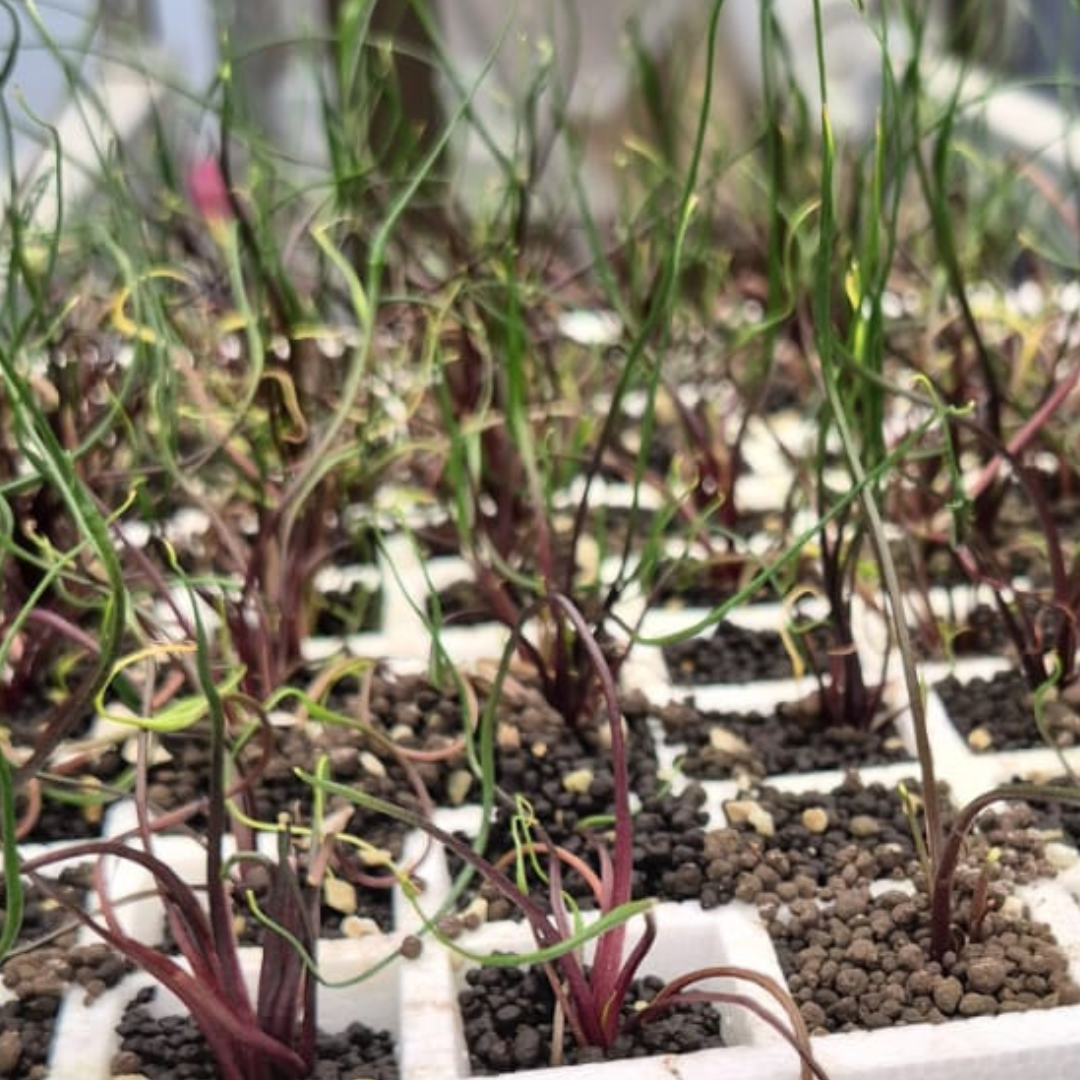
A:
608	960
944	871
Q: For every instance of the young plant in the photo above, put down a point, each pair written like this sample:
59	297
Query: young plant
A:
590	996
850	374
270	1036
503	480
511	449
62	584
297	438
1042	628
942	850
851	378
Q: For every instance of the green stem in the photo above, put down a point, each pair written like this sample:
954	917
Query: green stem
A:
43	451
13	890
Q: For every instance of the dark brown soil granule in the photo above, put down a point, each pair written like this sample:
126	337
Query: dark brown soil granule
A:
26	1028
668	851
731	654
797	737
860	963
997	713
507	1015
172	1048
39	978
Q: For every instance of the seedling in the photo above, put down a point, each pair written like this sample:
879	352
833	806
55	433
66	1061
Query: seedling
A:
270	1036
590	997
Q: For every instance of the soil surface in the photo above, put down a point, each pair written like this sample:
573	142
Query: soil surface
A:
998	713
69	797
26	1027
172	1048
835	875
982	633
797	737
393	718
41	968
732	654
507	1015
668	854
38	979
562	777
780	845
59	819
44	920
1051	822
861	963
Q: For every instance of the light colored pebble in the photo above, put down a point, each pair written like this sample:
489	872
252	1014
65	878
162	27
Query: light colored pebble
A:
374	857
475	914
1060	856
749	812
1012	908
372	765
340	895
357	926
727	742
595	326
458	784
577	782
508	737
883	886
92	812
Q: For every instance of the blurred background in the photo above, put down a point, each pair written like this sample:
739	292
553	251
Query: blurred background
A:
86	30
1025	53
